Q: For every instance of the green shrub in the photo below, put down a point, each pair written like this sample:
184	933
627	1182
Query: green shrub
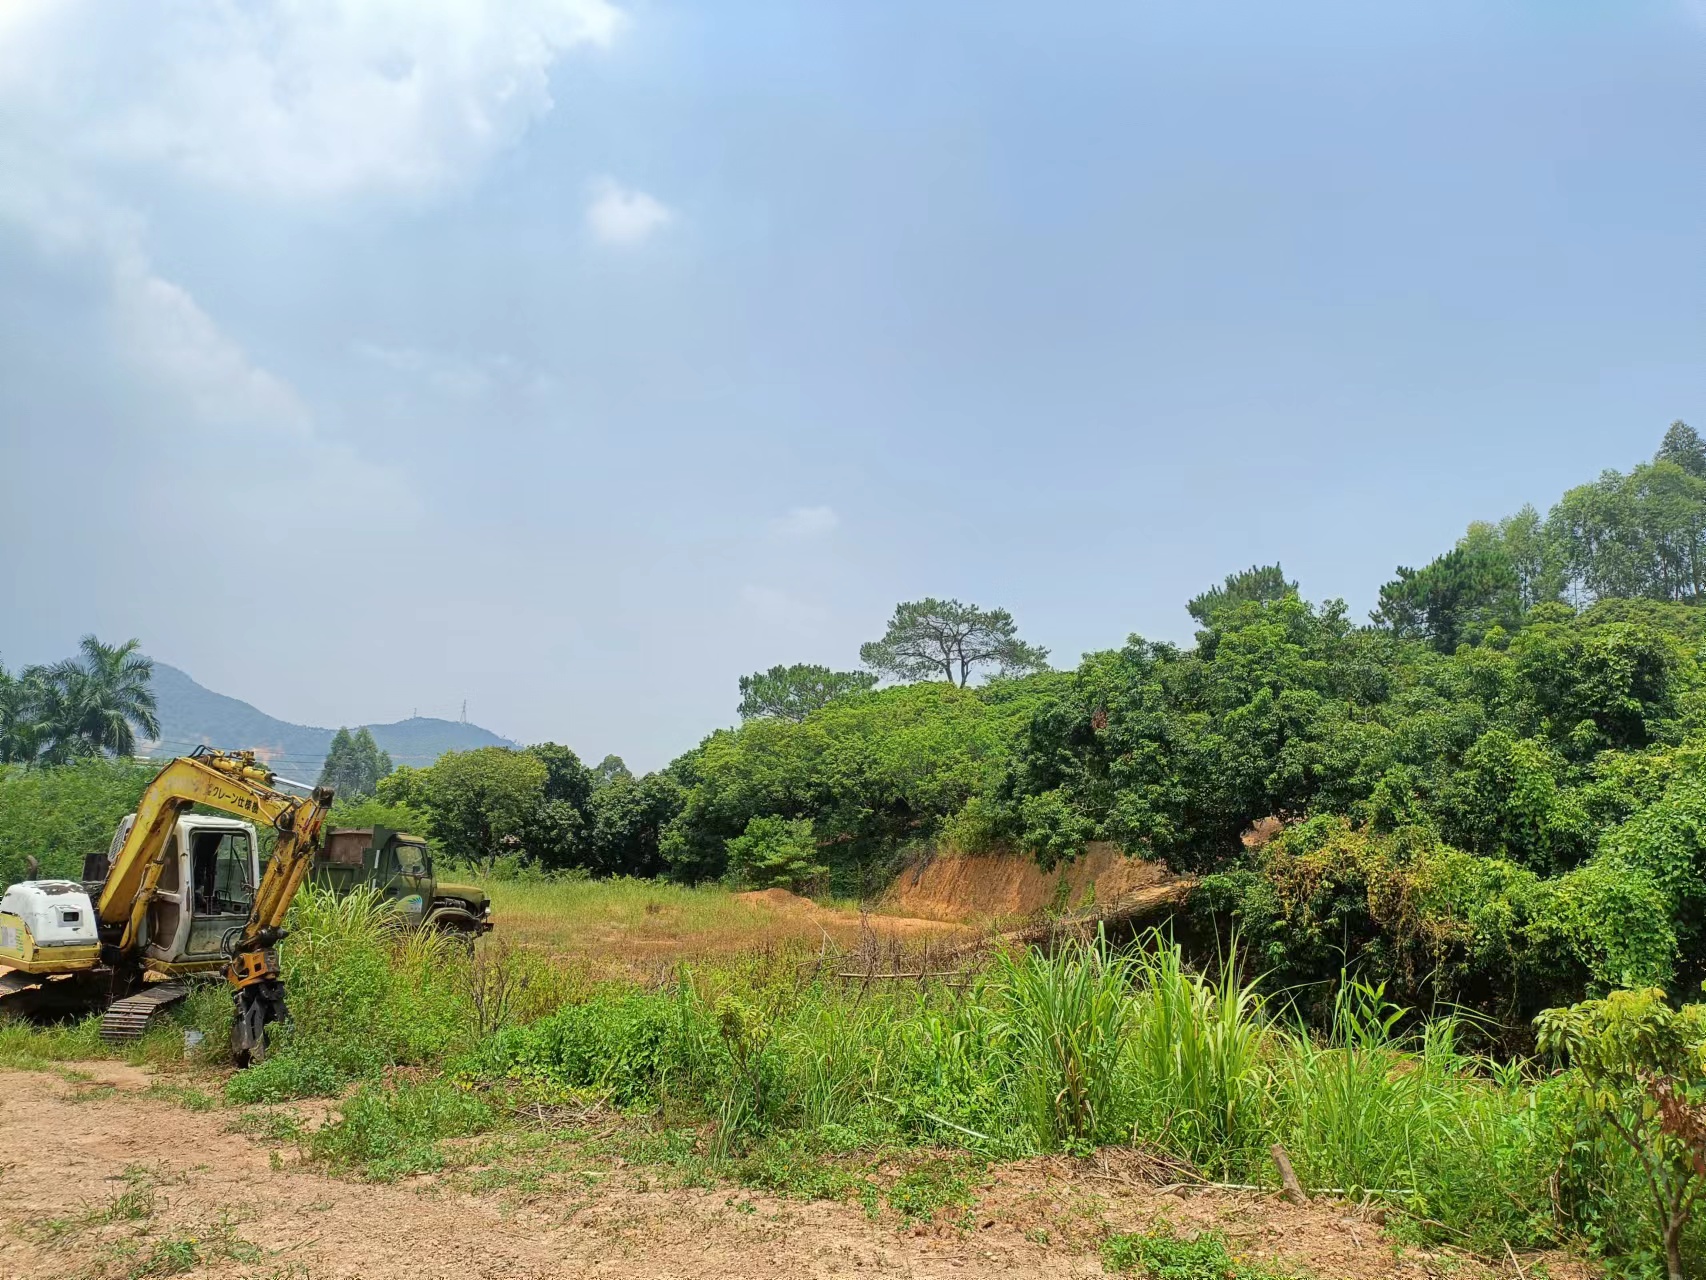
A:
1437	925
58	815
624	1045
297	1071
932	1185
1640	1084
775	852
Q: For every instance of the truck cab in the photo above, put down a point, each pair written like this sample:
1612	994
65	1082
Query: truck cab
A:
206	889
399	866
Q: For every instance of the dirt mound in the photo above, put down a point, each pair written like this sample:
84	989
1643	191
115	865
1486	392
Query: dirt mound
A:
1007	886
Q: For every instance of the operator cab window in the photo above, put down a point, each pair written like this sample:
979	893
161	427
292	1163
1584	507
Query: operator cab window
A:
219	865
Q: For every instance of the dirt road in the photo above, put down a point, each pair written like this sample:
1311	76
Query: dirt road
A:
108	1179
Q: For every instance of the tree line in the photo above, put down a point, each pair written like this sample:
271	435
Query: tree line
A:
1493	791
1640	536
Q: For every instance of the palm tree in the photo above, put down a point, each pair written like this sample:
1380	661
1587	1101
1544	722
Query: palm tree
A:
20	715
95	703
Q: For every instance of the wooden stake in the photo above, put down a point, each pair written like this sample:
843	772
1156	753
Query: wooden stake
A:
1293	1189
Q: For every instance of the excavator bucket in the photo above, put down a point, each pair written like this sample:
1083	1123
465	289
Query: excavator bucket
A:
255	1012
258	1006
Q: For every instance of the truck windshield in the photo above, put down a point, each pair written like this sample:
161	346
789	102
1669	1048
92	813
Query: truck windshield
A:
411	859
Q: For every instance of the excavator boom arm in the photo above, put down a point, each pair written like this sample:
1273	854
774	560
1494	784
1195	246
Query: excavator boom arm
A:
292	857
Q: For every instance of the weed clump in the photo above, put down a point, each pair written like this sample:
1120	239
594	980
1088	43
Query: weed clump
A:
364	995
389	1131
1166	1255
623	1045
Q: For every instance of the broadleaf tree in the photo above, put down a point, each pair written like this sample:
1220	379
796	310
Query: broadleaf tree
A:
775	852
483	804
609	770
935	639
1683	446
1640	1078
793	693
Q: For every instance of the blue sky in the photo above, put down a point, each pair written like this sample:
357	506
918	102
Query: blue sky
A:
575	358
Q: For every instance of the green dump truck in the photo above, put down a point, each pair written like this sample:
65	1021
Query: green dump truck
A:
399	866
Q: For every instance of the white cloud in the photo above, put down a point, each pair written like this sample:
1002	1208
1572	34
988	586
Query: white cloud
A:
302	99
806	522
163	331
258	447
270	457
464	377
779	609
283	102
619	215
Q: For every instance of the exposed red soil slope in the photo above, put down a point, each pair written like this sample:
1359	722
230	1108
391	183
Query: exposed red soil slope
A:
1007	886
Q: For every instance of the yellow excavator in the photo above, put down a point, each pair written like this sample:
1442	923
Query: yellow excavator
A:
179	892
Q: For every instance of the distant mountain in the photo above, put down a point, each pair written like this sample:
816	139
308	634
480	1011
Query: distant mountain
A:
191	715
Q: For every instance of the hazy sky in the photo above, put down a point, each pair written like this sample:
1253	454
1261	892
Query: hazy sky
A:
574	358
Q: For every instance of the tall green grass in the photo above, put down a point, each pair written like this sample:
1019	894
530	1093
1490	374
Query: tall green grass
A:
1062	1024
366	994
1200	1056
770	1052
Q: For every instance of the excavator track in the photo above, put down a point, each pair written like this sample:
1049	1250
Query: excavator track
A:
12	981
20	993
34	995
127	1019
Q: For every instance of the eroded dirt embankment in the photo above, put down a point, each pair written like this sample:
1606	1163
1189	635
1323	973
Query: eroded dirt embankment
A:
1011	886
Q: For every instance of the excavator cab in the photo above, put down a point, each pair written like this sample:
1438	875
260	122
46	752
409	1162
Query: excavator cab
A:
206	887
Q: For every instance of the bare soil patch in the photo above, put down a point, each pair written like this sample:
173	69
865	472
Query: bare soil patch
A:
1011	886
247	1208
843	927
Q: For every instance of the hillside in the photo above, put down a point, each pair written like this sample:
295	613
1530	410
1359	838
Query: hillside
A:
191	715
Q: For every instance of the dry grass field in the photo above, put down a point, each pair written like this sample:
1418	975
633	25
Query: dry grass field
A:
635	928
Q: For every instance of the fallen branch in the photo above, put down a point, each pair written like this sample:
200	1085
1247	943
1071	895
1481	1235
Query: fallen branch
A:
943	973
1140	905
1320	1191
